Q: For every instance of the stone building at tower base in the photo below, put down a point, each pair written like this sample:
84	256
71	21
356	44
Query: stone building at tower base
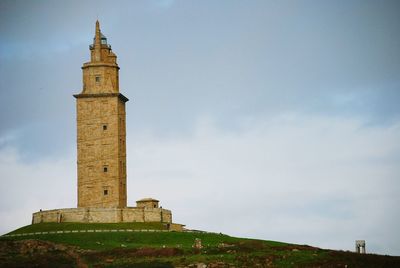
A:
147	210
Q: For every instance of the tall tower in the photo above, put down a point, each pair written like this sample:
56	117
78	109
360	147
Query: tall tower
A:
101	130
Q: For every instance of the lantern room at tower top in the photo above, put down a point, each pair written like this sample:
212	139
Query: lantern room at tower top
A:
100	74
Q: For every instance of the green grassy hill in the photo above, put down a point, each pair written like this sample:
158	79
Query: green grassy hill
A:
151	245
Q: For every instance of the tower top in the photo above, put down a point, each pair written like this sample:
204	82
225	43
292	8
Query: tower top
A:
100	50
99	38
100	74
97	34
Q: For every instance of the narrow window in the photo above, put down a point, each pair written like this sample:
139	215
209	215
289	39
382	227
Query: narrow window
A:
105	169
155	206
97	77
105	192
104	127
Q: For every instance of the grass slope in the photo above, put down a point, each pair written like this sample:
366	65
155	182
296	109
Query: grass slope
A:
69	226
103	241
166	249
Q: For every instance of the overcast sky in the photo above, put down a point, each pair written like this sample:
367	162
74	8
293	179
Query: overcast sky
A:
277	120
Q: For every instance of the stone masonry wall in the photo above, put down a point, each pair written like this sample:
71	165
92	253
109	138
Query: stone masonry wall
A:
103	215
101	130
101	152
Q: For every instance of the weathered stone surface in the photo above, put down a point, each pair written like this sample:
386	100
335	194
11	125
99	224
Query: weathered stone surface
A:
147	203
106	215
101	150
101	131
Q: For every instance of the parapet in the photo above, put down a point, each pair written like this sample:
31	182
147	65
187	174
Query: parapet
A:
103	215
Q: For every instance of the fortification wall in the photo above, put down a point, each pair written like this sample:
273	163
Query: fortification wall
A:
103	215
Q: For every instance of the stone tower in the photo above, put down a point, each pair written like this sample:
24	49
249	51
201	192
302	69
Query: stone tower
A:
101	130
102	151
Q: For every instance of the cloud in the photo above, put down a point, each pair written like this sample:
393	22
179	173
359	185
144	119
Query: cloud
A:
314	180
245	169
319	181
28	187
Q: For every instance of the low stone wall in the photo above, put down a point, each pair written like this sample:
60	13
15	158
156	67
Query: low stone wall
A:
103	215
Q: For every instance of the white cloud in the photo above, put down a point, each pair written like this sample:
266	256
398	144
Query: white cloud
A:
319	181
28	187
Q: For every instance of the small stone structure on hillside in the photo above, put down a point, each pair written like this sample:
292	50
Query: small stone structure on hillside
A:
360	246
101	142
197	243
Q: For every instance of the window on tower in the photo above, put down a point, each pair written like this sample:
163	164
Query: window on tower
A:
97	78
105	192
105	169
104	127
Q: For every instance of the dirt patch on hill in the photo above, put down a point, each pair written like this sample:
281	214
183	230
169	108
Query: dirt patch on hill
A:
36	253
110	256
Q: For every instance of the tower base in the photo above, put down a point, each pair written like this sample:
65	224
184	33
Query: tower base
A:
107	215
